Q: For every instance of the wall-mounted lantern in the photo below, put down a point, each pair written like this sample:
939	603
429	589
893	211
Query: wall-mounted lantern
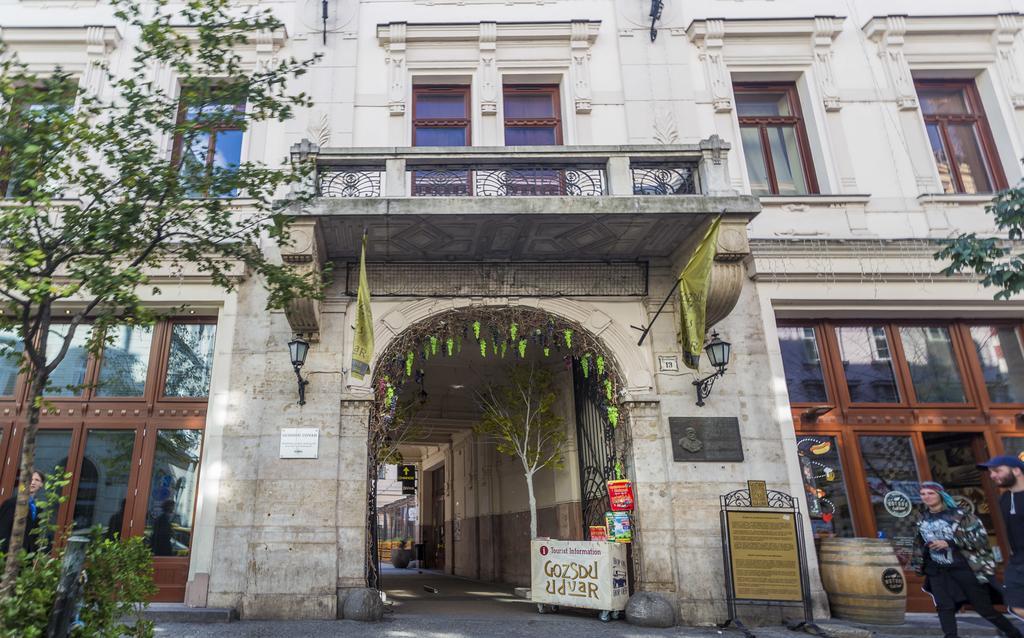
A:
718	352
298	348
656	7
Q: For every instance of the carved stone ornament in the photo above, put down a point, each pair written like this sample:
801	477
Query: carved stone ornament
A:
890	49
488	69
719	81
396	68
579	43
304	252
824	31
1008	57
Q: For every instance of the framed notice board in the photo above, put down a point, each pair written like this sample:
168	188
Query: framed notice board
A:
765	560
763	550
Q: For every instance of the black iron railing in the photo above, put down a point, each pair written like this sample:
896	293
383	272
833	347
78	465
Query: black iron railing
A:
663	179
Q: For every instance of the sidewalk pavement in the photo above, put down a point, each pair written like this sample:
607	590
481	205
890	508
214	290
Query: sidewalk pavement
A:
562	625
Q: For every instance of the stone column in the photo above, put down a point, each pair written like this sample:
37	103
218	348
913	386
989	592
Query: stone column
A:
646	460
352	484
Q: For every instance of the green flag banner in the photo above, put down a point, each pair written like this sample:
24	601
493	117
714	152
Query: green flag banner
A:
362	345
694	282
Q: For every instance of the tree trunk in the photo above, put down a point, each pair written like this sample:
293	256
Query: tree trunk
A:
533	505
28	457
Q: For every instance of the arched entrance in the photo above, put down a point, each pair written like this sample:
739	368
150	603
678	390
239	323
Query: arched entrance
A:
424	383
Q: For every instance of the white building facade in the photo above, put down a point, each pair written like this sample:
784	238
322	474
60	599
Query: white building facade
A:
838	143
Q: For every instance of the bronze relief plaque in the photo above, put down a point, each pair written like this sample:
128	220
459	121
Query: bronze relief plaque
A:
710	439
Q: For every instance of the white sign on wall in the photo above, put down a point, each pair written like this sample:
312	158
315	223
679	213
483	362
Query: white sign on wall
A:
299	443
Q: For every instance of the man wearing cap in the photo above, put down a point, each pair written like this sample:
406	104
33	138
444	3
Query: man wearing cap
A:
1008	472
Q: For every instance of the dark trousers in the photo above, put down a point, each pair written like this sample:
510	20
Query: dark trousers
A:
977	595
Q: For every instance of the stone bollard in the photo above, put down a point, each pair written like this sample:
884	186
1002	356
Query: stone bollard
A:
650	609
69	588
363	604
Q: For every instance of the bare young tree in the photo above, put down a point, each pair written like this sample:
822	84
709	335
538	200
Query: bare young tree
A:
519	416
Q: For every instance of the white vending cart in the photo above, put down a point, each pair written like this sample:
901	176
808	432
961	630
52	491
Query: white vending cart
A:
586	574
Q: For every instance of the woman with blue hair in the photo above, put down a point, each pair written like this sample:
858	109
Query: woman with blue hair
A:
951	551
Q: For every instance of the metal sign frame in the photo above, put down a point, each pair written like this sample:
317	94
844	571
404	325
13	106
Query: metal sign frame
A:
777	503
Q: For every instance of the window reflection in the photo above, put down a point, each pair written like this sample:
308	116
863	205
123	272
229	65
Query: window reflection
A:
867	364
1002	362
11	349
190	360
125	362
893	485
933	368
103	480
802	363
169	518
67	378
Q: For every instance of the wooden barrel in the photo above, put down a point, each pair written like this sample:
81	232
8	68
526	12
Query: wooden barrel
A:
863	579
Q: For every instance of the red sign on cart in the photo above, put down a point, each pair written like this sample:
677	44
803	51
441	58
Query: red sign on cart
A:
620	493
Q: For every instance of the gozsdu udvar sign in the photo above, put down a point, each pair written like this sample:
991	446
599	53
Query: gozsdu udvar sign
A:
587	574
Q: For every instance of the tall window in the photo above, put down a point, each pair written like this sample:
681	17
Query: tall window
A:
31	117
440	117
774	140
210	144
532	116
960	138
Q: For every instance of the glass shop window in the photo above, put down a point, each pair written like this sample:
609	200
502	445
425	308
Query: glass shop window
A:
11	349
893	483
828	506
125	362
801	360
68	378
190	360
1002	362
934	372
867	364
103	480
172	492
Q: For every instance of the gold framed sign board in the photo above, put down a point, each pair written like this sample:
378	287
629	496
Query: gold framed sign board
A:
765	558
763	551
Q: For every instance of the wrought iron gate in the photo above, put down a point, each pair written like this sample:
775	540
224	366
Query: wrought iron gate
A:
595	443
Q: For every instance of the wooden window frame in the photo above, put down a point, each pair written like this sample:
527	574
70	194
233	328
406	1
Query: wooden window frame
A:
466	123
145	415
989	155
761	123
450	122
554	122
178	147
831	392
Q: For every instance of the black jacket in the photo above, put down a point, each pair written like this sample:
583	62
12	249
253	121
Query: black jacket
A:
7	526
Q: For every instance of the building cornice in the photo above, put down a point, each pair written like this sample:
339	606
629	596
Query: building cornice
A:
774	28
392	33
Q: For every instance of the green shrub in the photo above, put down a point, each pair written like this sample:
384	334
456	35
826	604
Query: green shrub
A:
118	580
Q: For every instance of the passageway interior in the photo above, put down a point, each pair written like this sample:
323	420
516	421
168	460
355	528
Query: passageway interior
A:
470	512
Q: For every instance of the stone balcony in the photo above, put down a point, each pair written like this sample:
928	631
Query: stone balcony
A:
517	209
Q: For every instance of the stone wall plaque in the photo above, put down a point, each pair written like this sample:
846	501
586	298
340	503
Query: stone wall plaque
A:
709	439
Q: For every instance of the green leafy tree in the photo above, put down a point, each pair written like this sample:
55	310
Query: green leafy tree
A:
998	260
519	416
94	204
